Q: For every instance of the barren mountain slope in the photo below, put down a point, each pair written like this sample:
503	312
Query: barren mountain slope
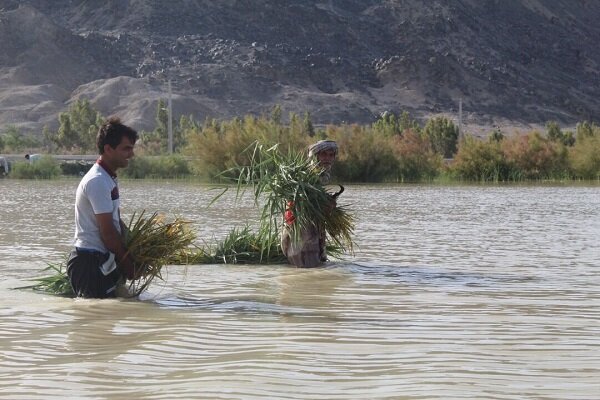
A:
511	62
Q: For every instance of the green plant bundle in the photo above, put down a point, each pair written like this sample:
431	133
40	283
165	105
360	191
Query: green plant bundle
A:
151	242
57	284
291	182
240	246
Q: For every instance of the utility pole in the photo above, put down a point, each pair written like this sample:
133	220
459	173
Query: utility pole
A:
460	132
170	123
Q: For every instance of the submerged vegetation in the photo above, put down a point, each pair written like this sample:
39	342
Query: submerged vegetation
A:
239	246
394	148
57	283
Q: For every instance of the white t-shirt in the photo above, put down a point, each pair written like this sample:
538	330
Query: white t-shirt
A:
97	193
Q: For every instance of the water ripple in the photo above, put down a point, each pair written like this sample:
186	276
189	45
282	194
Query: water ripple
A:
455	292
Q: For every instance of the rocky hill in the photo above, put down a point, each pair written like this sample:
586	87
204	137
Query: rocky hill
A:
512	62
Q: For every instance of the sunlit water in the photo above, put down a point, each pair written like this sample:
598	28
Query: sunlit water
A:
482	292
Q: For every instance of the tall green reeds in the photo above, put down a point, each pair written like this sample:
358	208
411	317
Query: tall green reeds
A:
290	181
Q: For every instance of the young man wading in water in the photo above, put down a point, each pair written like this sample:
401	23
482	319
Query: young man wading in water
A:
100	261
310	251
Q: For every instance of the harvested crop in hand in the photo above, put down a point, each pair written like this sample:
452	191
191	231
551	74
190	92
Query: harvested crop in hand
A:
154	243
289	185
151	242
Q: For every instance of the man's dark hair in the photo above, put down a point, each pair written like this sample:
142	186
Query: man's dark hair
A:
112	132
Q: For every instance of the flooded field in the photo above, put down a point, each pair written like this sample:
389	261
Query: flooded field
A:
482	292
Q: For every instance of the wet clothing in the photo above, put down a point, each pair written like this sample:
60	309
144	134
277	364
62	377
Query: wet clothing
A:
87	273
97	193
91	267
309	250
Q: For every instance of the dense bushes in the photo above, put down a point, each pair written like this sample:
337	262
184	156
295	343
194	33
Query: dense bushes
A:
392	149
364	155
530	156
167	167
477	160
13	141
584	158
76	168
219	145
417	161
535	157
395	148
44	168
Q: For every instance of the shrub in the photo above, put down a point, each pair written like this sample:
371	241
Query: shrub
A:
586	129
168	167
364	155
416	159
78	168
219	146
584	157
13	140
536	157
477	160
44	168
443	135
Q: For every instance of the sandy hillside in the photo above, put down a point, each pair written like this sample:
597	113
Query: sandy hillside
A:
514	64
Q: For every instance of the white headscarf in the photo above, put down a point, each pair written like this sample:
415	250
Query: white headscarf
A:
322	145
318	147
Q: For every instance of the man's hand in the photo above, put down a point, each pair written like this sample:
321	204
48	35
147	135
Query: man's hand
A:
129	270
114	243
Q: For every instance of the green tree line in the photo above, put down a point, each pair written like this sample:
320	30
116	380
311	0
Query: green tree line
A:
394	148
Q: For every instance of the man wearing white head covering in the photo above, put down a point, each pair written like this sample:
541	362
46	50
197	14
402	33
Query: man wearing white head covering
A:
324	152
309	251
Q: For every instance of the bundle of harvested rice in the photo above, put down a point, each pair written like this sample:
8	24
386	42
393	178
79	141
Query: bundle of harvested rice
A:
240	246
292	183
57	284
152	244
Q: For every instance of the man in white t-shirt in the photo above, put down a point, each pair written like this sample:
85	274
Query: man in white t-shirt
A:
100	261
